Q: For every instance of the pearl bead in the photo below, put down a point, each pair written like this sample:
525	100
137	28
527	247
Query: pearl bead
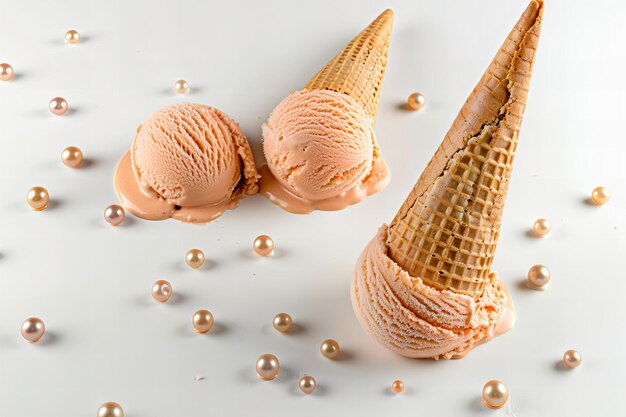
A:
397	386
538	275
600	195
330	348
202	321
6	72
495	394
307	384
195	258
33	329
72	37
282	322
267	367
114	215
58	106
572	358
72	157
542	227
110	409
161	290
38	198
181	87
416	101
263	245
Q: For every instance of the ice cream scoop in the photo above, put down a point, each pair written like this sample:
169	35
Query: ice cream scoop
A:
424	287
187	161
319	142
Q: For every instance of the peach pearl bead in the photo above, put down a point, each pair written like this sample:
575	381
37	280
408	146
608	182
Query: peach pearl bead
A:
572	358
6	72
416	101
267	367
161	290
195	258
330	349
282	322
397	386
110	409
495	394
542	227
538	276
114	215
181	87
263	245
307	384
72	37
202	321
58	106
600	195
72	157
33	329
38	198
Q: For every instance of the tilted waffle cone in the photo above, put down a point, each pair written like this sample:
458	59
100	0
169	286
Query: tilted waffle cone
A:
447	229
359	68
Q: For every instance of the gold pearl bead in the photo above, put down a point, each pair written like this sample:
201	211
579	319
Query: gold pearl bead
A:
195	258
538	275
114	215
267	367
397	386
202	321
72	37
33	329
600	195
6	72
38	198
307	384
495	394
181	87
330	348
72	157
58	106
416	101
282	322
542	227
110	409
263	245
572	358
161	290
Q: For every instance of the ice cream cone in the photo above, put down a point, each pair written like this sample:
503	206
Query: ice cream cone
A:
359	68
447	229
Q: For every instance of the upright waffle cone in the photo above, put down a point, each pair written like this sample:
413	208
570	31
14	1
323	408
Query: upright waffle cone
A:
447	229
359	68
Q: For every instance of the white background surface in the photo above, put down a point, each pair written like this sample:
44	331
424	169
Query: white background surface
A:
108	340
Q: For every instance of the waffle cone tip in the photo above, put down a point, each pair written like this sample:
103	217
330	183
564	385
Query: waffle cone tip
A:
447	229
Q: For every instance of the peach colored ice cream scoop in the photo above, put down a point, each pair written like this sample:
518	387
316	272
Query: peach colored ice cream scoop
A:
187	161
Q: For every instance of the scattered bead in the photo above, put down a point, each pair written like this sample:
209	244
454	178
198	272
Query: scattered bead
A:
38	198
72	157
58	106
538	276
110	409
572	358
161	290
542	227
416	101
72	37
330	348
267	367
6	72
600	195
202	321
33	329
181	87
397	386
263	245
282	322
307	384
114	215
195	258
495	394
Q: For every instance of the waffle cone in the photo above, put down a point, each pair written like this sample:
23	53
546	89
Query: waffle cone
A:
447	229
359	68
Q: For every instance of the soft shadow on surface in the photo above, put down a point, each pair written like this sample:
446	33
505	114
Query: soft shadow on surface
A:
389	393
88	163
54	204
294	391
249	253
560	366
476	404
588	201
525	285
49	338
